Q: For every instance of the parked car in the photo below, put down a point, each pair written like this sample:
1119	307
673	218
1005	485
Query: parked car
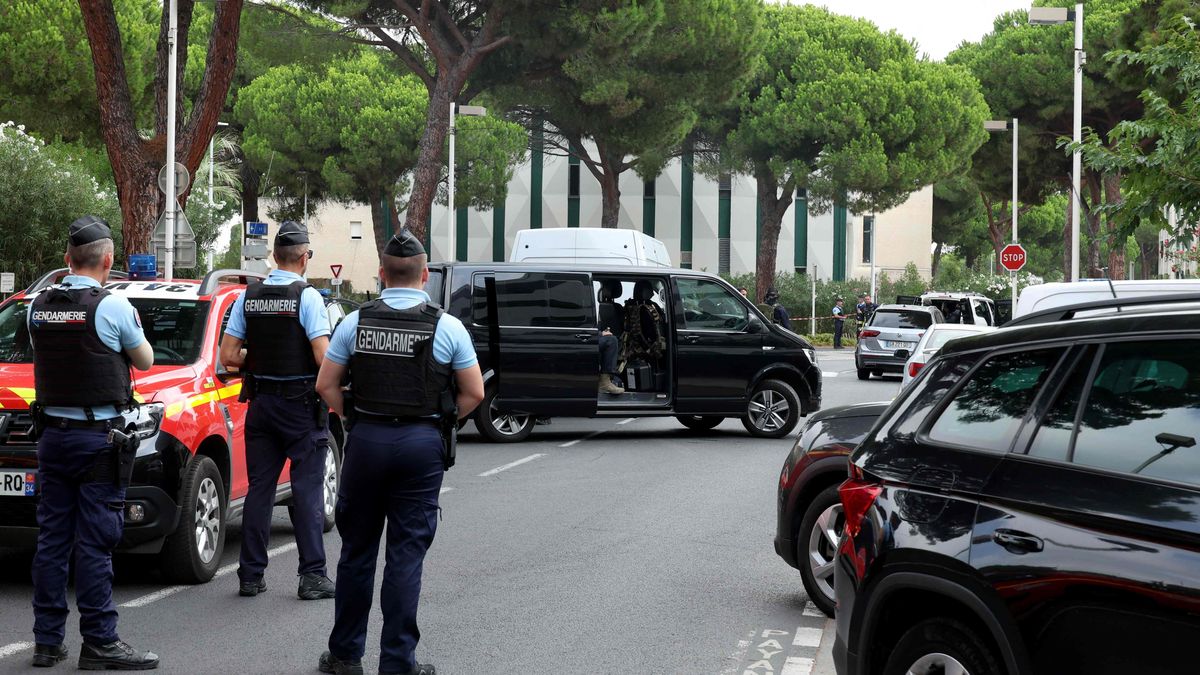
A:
962	308
892	328
933	340
809	511
1031	504
189	478
691	346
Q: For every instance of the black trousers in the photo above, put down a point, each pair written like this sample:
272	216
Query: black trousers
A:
838	325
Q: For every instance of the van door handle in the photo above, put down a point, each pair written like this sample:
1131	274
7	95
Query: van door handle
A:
1017	542
584	336
692	339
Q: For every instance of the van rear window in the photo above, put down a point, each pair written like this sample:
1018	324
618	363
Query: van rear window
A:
893	318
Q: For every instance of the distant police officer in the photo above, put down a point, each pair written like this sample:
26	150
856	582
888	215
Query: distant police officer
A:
405	359
285	330
84	340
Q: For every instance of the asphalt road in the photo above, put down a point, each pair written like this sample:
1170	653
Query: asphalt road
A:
599	546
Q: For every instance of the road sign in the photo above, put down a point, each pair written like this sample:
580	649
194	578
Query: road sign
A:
8	282
185	239
336	269
1012	257
255	229
181	179
335	282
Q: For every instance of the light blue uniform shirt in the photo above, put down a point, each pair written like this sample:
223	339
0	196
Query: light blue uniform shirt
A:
312	313
119	328
451	341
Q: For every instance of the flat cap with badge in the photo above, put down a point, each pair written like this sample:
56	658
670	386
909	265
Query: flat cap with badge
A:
404	244
88	229
291	233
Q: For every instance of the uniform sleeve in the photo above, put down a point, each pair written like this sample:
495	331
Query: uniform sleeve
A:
452	344
237	318
341	345
313	315
118	324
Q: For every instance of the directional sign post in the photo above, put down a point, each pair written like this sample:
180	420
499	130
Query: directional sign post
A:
1013	258
337	280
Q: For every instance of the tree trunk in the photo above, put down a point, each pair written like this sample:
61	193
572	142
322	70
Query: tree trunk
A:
773	207
141	202
1148	259
1091	218
428	171
1116	240
610	188
996	227
251	182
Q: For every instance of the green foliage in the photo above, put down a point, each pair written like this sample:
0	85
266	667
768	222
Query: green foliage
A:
487	150
231	259
42	191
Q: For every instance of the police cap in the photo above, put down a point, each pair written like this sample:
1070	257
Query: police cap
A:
404	244
291	233
88	229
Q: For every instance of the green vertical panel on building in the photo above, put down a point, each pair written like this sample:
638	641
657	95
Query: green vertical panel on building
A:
839	243
801	238
685	209
387	218
460	234
535	180
573	170
724	215
648	206
498	234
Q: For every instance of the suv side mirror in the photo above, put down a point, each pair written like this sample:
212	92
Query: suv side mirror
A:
903	354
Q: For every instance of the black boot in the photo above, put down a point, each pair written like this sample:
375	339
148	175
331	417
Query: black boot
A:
45	656
249	589
328	663
315	587
115	656
419	669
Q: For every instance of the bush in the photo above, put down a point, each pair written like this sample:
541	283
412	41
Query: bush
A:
826	339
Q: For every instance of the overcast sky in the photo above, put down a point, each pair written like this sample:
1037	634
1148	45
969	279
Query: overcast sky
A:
938	26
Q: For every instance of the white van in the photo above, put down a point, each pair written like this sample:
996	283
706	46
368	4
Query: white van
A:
1048	296
589	245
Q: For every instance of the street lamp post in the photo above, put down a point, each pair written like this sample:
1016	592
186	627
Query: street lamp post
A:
211	157
1050	16
997	126
455	110
169	216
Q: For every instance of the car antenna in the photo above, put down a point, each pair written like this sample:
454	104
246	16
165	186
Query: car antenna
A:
1112	289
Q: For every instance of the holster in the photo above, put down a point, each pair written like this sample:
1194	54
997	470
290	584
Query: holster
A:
449	428
320	412
116	463
37	413
248	388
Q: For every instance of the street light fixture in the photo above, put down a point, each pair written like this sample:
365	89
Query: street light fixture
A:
997	126
455	110
1051	16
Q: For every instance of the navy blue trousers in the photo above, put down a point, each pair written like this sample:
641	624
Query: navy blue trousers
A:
278	429
75	515
608	354
391	477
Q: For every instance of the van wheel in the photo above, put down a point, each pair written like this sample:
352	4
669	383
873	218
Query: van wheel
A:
773	410
192	553
499	426
700	422
941	645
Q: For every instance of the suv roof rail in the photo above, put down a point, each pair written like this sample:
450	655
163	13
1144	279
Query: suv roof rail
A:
1068	312
209	284
54	276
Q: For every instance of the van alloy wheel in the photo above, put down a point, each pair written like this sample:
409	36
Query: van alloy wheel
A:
509	424
937	664
207	520
769	410
502	426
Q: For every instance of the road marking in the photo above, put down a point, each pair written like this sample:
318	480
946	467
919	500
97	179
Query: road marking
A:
14	648
506	467
224	571
580	440
627	421
737	656
807	637
811	610
828	373
444	490
797	665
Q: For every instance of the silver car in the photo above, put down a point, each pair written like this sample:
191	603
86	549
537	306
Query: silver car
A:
890	329
929	345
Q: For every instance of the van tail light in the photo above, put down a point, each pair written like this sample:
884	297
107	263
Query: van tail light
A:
914	368
868	333
858	495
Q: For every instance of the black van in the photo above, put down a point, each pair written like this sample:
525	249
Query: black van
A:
691	347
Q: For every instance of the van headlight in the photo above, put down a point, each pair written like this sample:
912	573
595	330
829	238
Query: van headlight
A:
811	354
149	419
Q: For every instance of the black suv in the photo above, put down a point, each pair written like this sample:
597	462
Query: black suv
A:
690	347
1031	503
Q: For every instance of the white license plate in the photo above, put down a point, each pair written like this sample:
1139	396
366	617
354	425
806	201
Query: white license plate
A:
18	483
896	344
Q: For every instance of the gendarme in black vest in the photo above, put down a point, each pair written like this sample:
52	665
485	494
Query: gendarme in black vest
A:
393	369
72	367
276	343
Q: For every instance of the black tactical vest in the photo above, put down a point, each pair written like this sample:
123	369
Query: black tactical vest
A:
72	367
392	370
276	342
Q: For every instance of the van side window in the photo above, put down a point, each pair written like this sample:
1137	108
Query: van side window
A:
545	299
709	306
479	302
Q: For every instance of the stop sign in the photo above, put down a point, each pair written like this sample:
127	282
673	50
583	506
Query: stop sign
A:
1012	258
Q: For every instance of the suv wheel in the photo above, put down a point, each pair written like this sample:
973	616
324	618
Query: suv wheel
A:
864	374
499	426
773	410
816	543
700	422
941	646
192	553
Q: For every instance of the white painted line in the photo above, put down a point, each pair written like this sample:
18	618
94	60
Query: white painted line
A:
827	373
797	665
807	637
580	440
570	443
811	610
444	490
14	648
224	571
506	467
627	421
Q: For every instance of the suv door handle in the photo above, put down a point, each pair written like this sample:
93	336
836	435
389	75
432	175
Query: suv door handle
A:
1017	542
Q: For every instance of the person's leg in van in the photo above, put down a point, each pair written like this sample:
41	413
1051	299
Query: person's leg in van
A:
608	363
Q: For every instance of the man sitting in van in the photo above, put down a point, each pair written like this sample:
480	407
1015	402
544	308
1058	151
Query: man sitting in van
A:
609	318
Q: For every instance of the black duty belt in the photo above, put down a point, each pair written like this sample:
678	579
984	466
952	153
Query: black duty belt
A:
284	388
68	423
394	421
